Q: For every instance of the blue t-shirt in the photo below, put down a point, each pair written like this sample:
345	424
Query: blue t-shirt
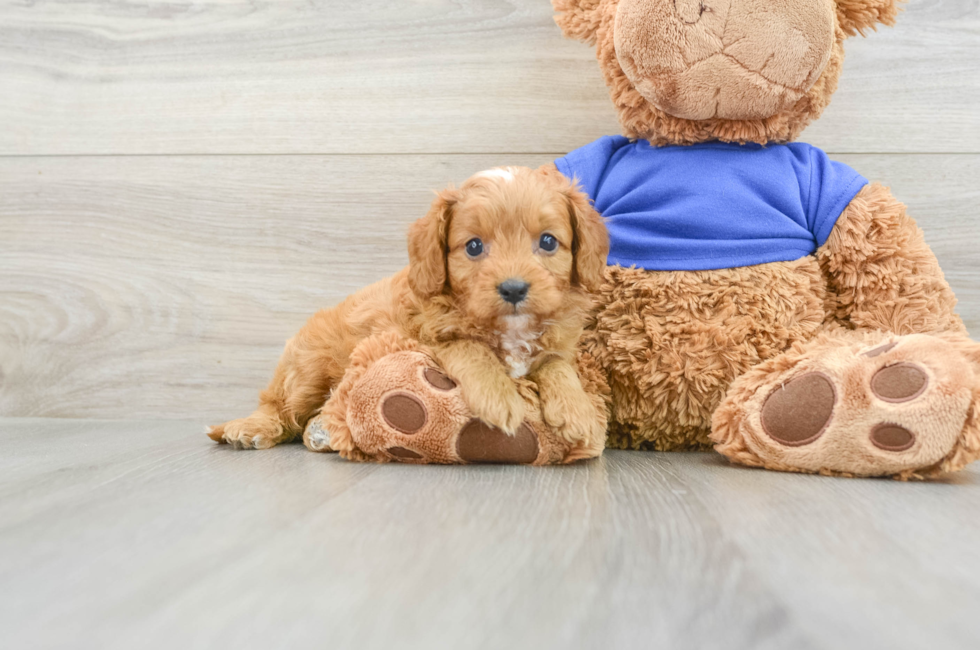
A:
712	205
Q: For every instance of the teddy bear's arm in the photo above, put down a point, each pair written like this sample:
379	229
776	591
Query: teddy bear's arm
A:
880	271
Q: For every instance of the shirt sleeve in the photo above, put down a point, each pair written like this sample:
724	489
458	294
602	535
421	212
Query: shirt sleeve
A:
832	186
587	165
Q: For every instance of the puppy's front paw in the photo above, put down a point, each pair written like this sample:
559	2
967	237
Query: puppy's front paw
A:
504	410
572	415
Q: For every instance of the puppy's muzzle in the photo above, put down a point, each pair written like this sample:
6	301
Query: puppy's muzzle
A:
513	290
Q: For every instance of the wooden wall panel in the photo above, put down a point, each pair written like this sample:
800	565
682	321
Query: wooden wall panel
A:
390	76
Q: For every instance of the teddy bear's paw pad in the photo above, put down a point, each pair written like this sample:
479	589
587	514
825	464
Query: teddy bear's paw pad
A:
479	442
897	406
438	379
892	437
899	383
404	454
798	412
404	412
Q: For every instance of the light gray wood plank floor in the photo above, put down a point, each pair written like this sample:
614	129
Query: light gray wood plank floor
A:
142	534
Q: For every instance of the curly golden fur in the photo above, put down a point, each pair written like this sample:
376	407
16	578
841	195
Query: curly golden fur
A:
450	300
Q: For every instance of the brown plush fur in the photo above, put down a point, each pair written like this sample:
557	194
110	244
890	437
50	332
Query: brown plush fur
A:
673	341
595	21
858	16
881	273
449	302
700	60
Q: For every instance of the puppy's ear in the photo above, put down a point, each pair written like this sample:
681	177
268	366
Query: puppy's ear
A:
427	247
578	19
858	15
591	239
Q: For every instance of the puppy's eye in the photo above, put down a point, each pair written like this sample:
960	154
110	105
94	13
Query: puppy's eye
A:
548	243
474	247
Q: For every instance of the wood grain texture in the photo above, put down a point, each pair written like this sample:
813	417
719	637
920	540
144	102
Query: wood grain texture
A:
165	287
145	534
389	76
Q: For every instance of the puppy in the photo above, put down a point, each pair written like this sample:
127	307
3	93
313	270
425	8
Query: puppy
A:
497	288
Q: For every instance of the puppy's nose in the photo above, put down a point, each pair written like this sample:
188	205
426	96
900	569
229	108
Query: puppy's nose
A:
513	290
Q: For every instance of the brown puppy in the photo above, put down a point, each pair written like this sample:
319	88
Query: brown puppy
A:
496	288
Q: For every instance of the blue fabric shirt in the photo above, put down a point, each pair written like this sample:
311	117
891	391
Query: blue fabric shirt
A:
712	205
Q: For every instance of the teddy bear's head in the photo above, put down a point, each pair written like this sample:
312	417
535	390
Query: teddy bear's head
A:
686	71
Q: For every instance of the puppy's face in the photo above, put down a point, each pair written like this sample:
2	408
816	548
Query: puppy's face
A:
509	242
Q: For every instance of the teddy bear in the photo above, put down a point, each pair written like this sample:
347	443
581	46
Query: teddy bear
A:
760	298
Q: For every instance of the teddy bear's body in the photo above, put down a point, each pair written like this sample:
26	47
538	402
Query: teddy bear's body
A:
714	268
712	271
672	342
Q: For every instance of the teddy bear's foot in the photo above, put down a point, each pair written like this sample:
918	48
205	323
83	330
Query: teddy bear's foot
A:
857	403
401	407
405	409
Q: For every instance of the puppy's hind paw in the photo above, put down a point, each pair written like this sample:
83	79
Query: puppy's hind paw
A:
248	433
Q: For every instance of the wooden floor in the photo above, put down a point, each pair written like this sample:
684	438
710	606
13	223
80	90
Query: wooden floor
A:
183	183
134	534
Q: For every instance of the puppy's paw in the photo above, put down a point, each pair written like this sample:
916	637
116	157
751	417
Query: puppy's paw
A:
248	433
572	415
504	409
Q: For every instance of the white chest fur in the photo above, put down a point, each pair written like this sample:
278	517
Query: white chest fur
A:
519	343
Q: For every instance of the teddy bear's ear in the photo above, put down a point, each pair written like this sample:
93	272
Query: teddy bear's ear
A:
578	19
856	16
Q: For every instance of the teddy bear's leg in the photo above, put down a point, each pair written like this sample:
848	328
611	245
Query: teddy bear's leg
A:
858	403
396	404
891	389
